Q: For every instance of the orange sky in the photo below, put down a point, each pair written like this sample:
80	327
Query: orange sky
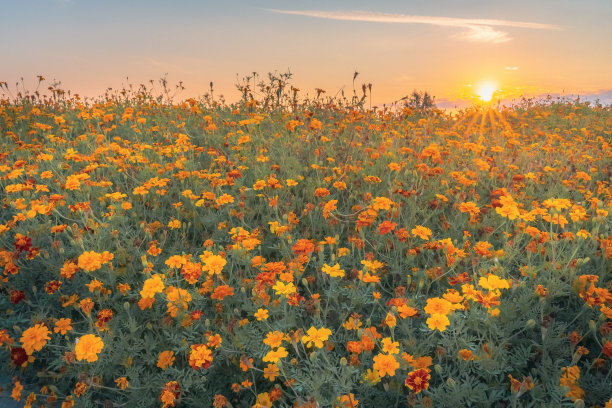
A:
444	47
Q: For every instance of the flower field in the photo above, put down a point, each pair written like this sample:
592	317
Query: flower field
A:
157	254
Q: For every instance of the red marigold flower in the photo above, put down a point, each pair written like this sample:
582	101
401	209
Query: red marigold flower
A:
418	380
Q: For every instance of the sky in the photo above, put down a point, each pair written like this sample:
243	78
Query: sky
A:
448	48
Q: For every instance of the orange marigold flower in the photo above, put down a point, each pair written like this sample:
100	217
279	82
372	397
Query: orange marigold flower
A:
16	393
321	192
34	338
90	261
170	394
465	354
200	356
122	383
274	338
222	291
421	232
165	359
385	364
62	326
303	247
438	306
88	347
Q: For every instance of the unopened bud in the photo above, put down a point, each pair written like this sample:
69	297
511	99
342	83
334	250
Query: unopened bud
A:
343	361
450	382
579	403
530	324
592	325
126	306
438	368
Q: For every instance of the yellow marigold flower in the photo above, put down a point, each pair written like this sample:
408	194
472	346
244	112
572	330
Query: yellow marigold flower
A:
274	338
333	271
34	338
174	224
176	261
152	286
88	347
438	322
316	336
261	314
385	364
165	359
421	232
389	346
214	264
390	320
381	203
282	288
493	282
274	355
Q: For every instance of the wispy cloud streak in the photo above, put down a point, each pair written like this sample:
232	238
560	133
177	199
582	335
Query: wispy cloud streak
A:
476	29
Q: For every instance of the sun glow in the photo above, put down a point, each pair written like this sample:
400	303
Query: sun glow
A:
486	90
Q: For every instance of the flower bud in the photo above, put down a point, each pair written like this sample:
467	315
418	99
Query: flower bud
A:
592	326
579	403
438	368
343	361
530	324
126	306
450	382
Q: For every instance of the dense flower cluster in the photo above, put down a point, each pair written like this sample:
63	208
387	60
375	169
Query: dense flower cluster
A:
199	254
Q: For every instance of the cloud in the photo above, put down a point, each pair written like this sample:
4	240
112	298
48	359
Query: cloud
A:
511	68
475	29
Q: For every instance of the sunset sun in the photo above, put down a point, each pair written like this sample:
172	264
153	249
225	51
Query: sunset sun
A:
486	90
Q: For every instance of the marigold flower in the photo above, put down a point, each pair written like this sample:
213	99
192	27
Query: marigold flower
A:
438	306
200	356
418	380
165	359
88	347
274	355
62	326
316	336
389	346
274	338
438	322
333	271
16	393
214	264
152	286
271	371
261	314
35	338
385	364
